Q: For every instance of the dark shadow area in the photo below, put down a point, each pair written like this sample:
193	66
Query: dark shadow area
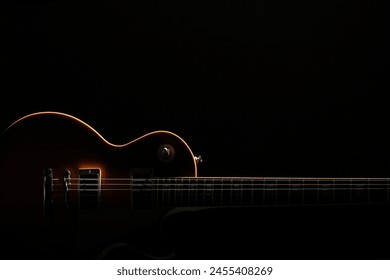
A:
257	88
318	232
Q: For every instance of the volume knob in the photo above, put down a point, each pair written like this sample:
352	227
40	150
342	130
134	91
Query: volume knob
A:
166	153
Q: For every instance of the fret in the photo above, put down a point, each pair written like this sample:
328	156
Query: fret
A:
194	188
244	192
276	192
289	191
173	193
241	186
188	192
218	194
263	193
342	191
358	193
257	193
334	191
206	193
225	195
318	191
209	186
162	192
212	193
268	195
168	192
310	187
192	194
197	194
178	191
282	190
296	192
235	192
183	193
166	188
241	193
252	192
231	191
325	192
186	196
350	190
388	191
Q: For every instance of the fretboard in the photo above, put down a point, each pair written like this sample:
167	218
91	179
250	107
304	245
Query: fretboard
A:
236	191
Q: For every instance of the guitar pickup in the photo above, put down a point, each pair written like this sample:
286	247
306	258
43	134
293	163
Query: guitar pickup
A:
89	186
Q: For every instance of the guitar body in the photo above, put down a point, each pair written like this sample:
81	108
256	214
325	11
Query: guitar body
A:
40	152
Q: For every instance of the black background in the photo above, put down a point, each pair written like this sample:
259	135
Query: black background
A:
257	88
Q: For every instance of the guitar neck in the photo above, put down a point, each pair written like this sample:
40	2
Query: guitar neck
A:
237	191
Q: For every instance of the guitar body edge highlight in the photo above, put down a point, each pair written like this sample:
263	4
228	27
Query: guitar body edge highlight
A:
63	143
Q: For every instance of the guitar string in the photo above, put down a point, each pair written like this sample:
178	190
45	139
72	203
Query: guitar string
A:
249	187
228	189
240	178
213	182
245	183
359	183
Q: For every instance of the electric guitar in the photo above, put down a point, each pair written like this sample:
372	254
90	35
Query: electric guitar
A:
65	183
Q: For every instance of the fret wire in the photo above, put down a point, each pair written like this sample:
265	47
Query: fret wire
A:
155	196
289	192
162	193
222	187
212	195
388	192
368	192
318	191
204	192
263	192
334	191
241	194
188	194
181	193
276	192
175	197
168	193
252	195
173	182
196	194
350	191
231	191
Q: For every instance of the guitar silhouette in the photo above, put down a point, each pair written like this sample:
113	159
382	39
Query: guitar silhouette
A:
70	189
